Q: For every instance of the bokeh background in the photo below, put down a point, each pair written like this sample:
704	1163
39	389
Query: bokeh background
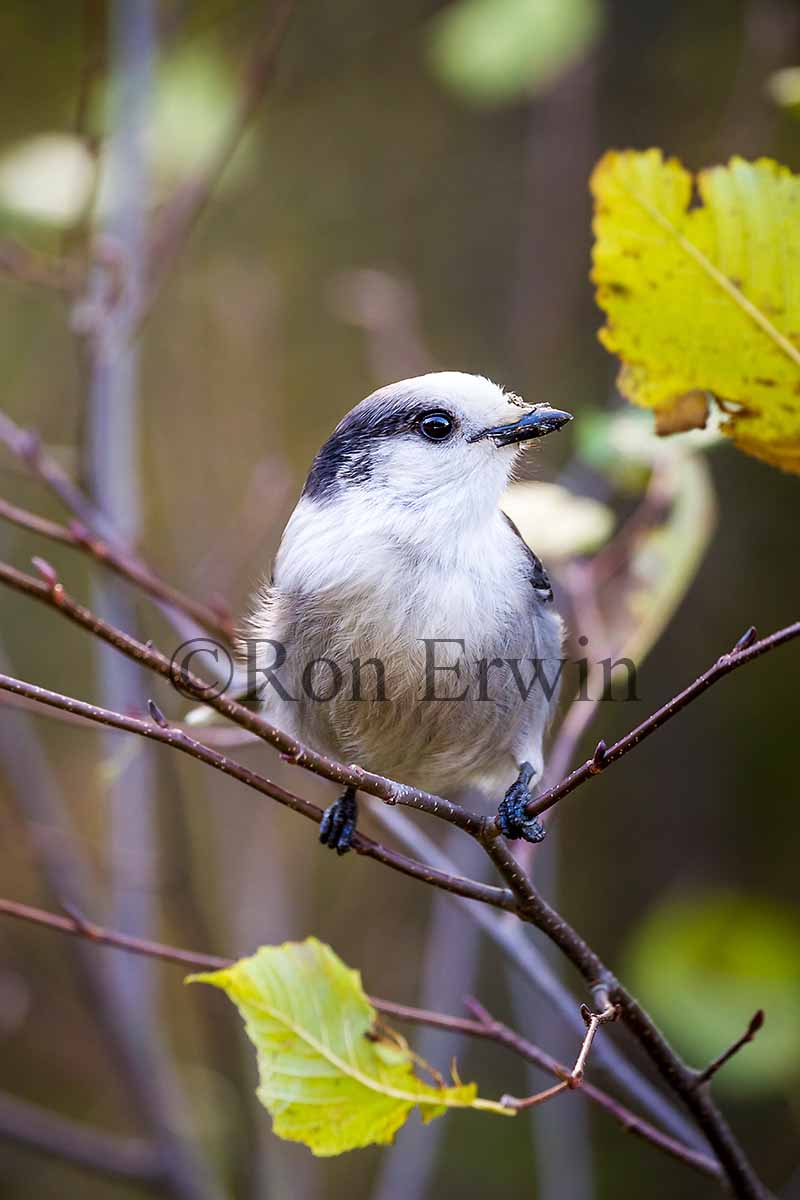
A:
411	194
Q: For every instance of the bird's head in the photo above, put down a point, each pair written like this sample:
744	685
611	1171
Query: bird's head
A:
447	436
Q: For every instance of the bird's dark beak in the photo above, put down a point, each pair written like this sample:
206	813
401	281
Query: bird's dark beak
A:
539	421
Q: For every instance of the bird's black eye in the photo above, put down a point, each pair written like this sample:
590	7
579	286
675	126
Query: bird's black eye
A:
436	426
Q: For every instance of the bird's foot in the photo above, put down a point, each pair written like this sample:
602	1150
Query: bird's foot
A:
339	823
512	819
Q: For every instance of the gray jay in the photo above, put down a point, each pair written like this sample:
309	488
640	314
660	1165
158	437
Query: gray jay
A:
407	624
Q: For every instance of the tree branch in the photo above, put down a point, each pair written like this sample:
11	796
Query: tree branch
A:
26	445
504	1036
126	565
24	265
756	1022
530	906
574	1078
745	650
606	988
484	1027
51	592
103	1153
159	730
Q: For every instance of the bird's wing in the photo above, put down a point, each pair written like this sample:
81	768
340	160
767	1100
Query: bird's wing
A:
540	580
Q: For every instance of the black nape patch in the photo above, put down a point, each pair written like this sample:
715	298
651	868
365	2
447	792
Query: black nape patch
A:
346	457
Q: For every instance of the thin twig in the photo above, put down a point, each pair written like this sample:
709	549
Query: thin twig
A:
24	265
743	652
159	730
124	564
756	1022
52	593
181	213
216	736
69	879
496	1031
681	1078
531	907
75	1143
27	446
574	1078
484	1026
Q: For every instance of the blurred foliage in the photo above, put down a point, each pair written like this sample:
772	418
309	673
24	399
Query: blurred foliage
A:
704	963
556	521
194	94
46	180
494	51
331	1075
640	581
784	88
704	298
49	178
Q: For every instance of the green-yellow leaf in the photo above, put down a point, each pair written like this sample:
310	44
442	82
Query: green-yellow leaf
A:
494	51
329	1075
704	298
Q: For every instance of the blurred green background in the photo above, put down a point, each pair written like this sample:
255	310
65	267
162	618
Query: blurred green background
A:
412	195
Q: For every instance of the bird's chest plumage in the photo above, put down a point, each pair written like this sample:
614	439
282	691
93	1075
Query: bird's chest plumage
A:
421	646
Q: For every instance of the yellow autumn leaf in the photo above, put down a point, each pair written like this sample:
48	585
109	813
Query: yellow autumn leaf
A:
330	1074
702	293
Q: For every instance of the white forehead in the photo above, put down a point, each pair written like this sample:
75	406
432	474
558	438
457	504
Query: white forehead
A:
474	397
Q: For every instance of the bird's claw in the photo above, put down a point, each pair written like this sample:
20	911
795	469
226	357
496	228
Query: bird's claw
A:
339	823
512	819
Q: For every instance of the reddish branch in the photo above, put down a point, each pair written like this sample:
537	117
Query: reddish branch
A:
484	1026
530	906
51	592
491	1028
60	1137
126	565
159	730
746	649
25	265
756	1023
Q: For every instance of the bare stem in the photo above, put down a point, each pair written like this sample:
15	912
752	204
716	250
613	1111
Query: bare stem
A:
159	730
680	1078
746	649
574	1078
51	592
505	1036
127	566
756	1022
96	1151
90	530
527	902
484	1027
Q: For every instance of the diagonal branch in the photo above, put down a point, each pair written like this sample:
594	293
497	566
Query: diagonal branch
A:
571	1079
26	265
159	730
489	1027
606	988
91	531
746	649
484	1026
99	1152
756	1022
530	906
127	566
51	592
